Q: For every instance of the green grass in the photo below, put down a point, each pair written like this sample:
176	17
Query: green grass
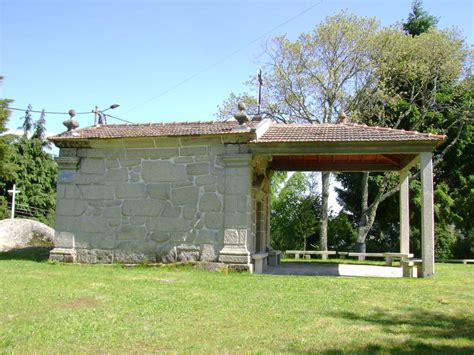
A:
83	308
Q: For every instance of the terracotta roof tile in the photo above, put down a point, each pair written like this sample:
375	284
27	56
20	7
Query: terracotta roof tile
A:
148	130
340	133
274	134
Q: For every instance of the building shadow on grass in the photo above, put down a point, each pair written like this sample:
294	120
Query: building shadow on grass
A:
425	330
39	254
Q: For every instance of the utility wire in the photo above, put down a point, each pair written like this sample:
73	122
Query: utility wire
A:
67	113
48	112
120	119
223	59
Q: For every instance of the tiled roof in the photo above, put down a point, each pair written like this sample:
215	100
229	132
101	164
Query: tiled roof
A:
341	133
276	132
148	130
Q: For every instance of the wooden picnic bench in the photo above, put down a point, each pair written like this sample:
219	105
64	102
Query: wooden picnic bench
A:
389	257
308	253
362	256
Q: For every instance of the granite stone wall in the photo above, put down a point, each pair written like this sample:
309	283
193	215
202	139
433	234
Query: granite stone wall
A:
143	200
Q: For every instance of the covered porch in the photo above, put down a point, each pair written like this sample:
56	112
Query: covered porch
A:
356	148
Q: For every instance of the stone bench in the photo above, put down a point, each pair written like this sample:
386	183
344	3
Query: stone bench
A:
362	256
307	253
274	257
343	254
260	262
389	257
460	261
409	266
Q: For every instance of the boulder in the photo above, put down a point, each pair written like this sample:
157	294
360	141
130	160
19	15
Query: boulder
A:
22	233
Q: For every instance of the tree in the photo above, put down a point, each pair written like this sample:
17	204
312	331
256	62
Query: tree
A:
23	162
413	74
27	121
455	173
35	175
295	208
229	107
316	76
6	167
342	234
419	21
40	127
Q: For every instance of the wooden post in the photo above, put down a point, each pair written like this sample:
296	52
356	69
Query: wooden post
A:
404	212
427	215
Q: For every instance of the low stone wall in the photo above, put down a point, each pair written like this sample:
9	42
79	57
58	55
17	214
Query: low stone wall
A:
155	200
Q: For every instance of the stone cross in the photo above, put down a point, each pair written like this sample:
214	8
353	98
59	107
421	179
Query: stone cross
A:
13	193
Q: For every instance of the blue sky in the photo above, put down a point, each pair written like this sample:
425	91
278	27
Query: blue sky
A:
76	54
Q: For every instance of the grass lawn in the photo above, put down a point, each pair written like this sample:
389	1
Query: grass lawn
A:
92	308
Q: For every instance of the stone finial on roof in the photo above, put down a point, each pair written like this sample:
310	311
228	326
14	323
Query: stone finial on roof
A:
71	124
342	117
241	116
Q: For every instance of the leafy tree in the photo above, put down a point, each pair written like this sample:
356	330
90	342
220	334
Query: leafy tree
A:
341	232
6	167
27	121
419	21
315	77
417	77
454	195
229	107
295	208
412	73
35	176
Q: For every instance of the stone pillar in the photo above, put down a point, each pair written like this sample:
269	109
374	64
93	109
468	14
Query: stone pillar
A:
427	215
237	211
404	212
64	243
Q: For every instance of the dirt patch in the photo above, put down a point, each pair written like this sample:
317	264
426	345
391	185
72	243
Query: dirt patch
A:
81	302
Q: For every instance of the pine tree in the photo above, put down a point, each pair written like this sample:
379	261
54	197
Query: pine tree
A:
28	121
419	21
40	127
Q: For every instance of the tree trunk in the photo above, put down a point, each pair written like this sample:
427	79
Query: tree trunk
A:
362	232
370	214
323	232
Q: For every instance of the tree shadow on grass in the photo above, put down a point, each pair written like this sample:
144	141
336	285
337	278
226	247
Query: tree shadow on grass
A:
425	330
39	254
423	333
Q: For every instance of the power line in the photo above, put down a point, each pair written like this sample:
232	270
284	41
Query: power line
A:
67	113
120	119
223	59
48	112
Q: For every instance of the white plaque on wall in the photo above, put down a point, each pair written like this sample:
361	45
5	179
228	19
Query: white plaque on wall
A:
67	175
